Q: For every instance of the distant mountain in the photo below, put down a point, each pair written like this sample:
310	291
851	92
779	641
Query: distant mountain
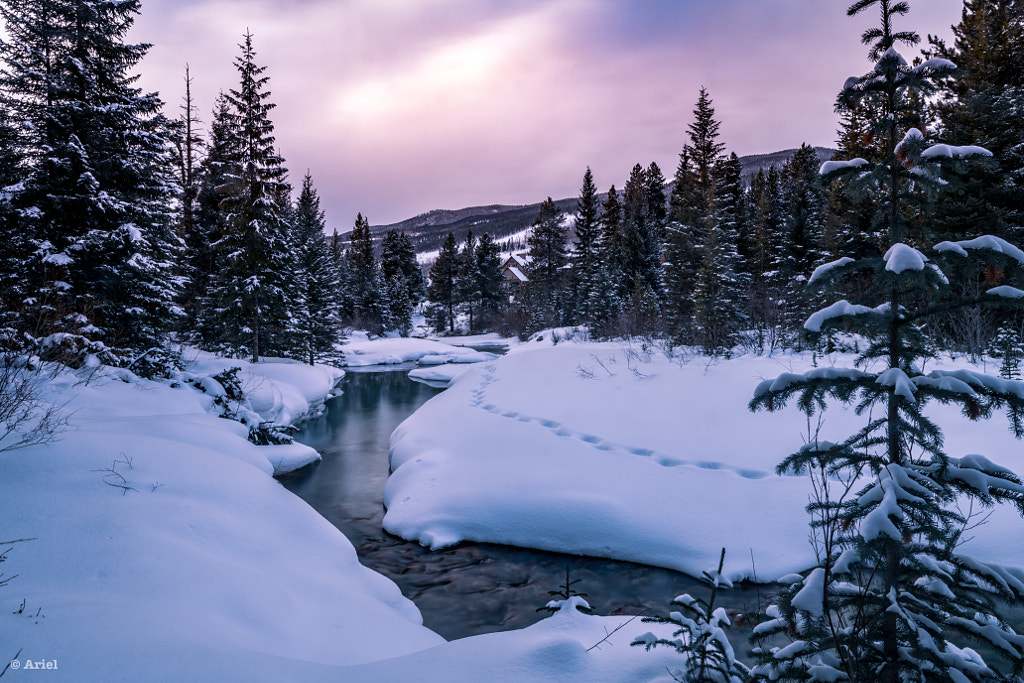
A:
428	230
757	162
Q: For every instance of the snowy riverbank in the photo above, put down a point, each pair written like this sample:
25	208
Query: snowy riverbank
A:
618	451
158	547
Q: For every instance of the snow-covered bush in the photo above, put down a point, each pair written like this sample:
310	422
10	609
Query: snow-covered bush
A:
700	637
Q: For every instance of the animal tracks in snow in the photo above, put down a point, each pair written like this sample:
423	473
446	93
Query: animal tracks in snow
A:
477	400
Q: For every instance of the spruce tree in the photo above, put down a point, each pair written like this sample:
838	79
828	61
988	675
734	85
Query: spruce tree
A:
95	201
683	243
893	598
610	242
250	288
402	277
585	257
364	280
720	286
209	226
803	219
315	278
984	106
547	259
490	278
443	291
468	281
398	259
640	240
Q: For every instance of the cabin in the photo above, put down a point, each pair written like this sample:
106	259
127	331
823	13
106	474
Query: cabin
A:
513	270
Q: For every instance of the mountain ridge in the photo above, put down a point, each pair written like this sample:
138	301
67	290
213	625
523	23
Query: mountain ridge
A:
428	230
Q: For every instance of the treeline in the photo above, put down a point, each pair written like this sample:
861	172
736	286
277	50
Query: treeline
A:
123	228
713	261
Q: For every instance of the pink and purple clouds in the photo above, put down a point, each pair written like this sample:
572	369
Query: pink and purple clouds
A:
401	106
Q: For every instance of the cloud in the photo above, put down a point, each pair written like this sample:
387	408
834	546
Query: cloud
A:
400	106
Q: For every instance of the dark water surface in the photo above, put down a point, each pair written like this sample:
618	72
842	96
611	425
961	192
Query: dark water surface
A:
473	588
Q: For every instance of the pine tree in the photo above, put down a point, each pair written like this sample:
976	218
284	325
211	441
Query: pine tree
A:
683	243
95	200
893	598
316	279
401	262
610	243
210	225
803	218
364	279
719	287
984	105
1007	346
442	291
250	288
468	281
640	241
704	152
403	278
547	241
491	280
585	257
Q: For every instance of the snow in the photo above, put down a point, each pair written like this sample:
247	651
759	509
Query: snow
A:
942	151
1006	292
554	650
837	310
163	550
833	166
407	350
935	64
902	257
441	376
618	451
811	597
822	271
60	259
160	549
910	139
996	244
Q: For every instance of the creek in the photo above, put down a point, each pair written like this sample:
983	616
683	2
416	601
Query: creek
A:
472	588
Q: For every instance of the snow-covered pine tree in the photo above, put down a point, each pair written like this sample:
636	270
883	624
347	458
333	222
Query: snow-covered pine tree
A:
491	280
984	106
398	259
803	201
1008	347
766	306
467	281
699	636
546	290
95	197
209	226
893	598
364	279
402	278
719	289
640	244
442	291
17	243
610	249
585	257
250	286
318	318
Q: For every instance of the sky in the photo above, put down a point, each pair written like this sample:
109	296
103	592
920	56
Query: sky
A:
397	107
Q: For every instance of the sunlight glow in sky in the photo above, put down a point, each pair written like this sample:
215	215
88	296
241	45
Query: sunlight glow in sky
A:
402	106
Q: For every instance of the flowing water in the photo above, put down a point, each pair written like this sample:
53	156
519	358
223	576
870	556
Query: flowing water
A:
473	588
